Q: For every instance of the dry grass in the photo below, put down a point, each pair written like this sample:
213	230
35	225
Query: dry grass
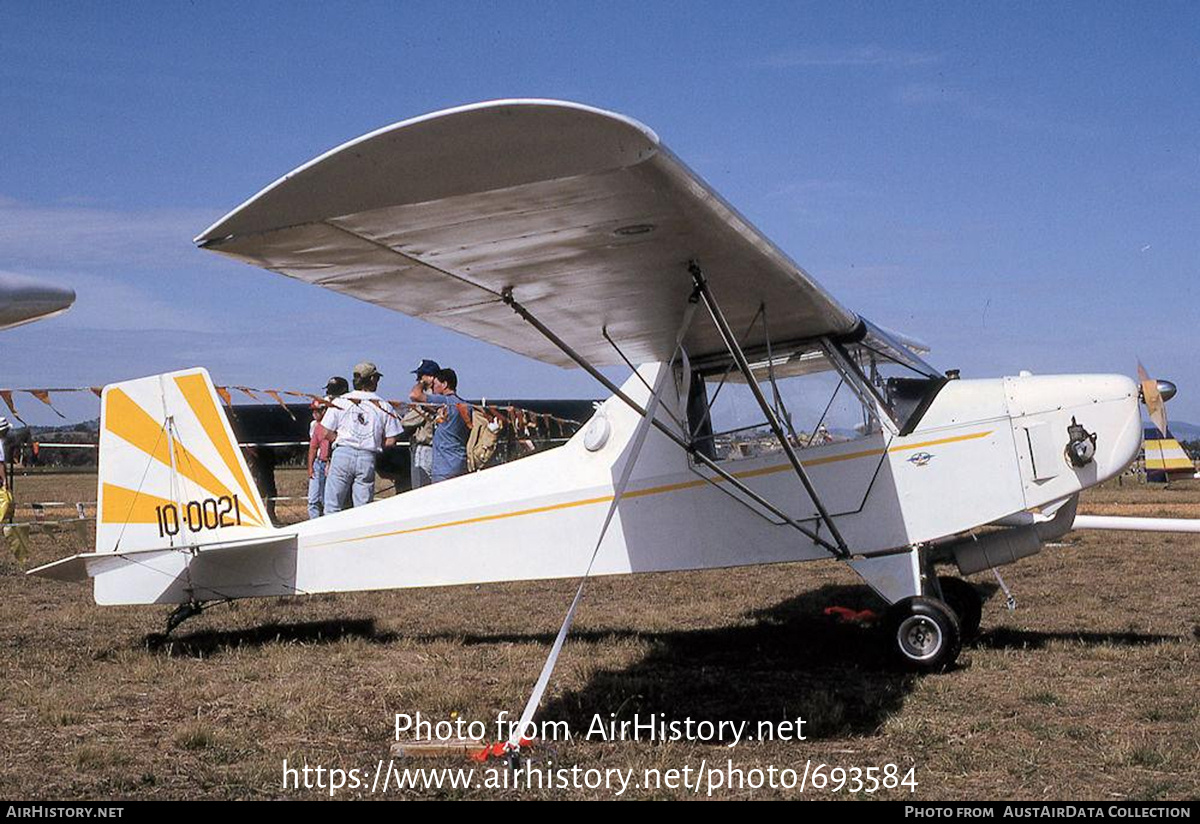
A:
1087	691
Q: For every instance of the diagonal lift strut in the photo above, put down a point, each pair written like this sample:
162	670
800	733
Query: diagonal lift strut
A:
739	357
838	551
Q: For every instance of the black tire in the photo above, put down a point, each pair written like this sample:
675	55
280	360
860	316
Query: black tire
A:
923	634
966	603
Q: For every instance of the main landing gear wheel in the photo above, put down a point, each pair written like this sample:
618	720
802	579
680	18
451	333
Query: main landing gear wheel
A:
966	603
923	634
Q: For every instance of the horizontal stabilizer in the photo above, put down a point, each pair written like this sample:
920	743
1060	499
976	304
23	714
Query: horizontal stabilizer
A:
94	564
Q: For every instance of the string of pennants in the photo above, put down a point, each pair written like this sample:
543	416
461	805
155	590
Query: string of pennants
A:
42	395
521	419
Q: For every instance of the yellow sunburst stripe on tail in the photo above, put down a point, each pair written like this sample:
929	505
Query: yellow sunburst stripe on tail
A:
128	421
195	392
124	506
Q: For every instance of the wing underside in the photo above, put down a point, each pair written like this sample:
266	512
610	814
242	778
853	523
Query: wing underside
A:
584	214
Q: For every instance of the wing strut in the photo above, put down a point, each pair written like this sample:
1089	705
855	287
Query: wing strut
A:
518	734
837	551
735	349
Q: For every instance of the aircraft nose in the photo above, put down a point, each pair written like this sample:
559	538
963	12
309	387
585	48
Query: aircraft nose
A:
1103	406
1120	422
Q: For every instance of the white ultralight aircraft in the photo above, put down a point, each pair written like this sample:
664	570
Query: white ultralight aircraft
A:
574	236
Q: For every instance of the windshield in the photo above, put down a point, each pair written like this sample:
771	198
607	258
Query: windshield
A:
904	384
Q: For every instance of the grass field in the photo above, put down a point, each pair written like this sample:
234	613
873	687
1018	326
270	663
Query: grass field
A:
1089	690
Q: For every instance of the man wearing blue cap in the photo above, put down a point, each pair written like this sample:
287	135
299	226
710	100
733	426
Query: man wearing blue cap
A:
453	429
419	425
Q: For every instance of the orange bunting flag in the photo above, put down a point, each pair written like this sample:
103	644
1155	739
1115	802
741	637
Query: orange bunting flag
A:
274	393
225	396
97	390
380	405
7	395
43	395
247	392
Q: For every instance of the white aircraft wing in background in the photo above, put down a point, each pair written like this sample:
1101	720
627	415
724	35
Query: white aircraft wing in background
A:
24	299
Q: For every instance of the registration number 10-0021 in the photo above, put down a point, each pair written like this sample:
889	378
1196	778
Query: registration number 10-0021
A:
209	513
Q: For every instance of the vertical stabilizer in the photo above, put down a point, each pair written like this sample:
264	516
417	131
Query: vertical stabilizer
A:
171	472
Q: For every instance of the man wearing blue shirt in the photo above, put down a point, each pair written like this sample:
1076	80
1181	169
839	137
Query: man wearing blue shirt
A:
450	437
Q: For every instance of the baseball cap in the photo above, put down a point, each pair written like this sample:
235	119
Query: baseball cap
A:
427	367
366	369
336	386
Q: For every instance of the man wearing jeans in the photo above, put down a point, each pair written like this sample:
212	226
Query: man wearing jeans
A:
318	447
418	423
318	462
362	427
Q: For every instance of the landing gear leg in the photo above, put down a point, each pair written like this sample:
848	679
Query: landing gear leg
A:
921	632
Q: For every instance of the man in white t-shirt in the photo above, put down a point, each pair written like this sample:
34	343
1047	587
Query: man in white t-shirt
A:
361	426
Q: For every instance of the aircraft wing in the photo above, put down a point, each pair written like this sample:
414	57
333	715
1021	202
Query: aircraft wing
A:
584	214
24	299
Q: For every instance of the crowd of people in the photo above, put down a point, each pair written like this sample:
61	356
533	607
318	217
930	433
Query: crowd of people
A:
352	426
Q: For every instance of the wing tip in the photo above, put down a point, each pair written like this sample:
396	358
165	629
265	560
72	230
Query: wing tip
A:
71	568
222	230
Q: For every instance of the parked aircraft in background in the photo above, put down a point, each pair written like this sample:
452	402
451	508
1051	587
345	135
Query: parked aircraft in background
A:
24	299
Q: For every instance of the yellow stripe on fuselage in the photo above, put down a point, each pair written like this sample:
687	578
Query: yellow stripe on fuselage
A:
654	490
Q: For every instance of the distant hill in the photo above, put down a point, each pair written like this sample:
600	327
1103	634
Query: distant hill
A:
83	427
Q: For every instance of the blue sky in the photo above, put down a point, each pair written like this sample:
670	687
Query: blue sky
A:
1018	184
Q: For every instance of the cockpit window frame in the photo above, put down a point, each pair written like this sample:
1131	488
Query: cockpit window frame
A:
885	346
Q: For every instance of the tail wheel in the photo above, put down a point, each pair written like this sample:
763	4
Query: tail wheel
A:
923	634
966	603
